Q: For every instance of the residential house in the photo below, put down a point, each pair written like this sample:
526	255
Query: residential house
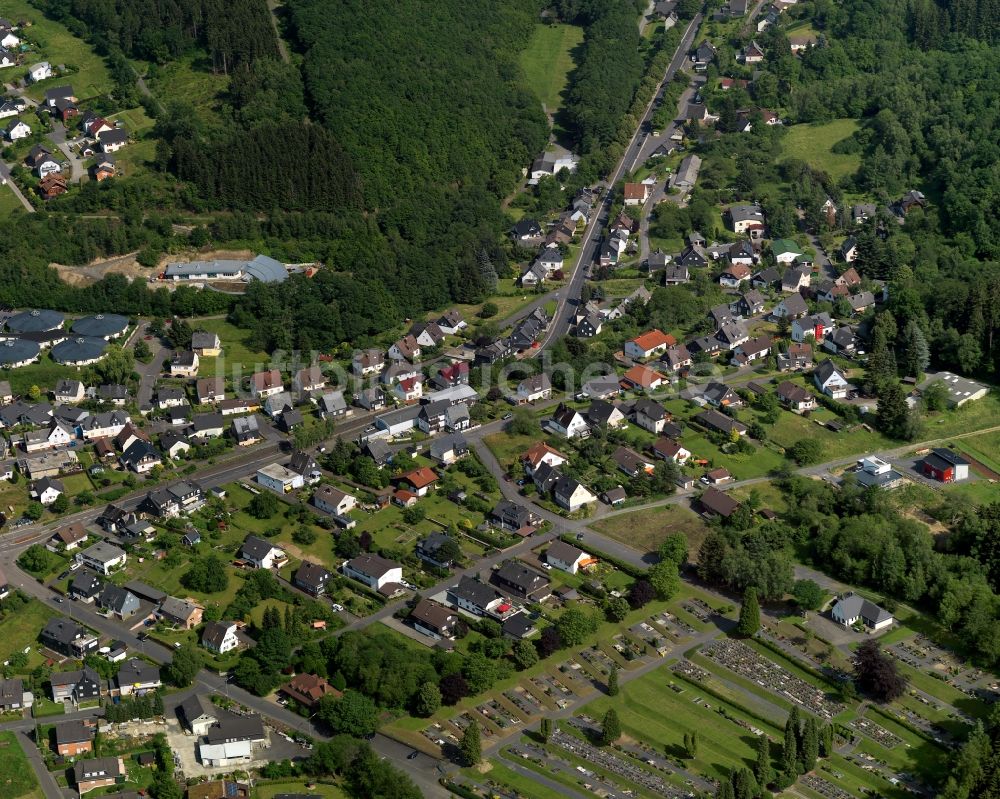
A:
451	322
205	344
750	303
670	450
849	250
692	256
111	141
261	554
173	500
368	362
516	579
540	453
816	326
454	374
532	389
733	276
567	558
476	597
199	715
102	557
311	578
406	349
631	462
409	390
378	573
181	613
636	193
830	380
17	129
276	404
332	405
720	423
434	549
687	173
103	425
334	501
308	689
791	307
754	349
98	772
220	637
648	345
719	395
527	232
676	275
861	301
733	335
308	380
137	677
85	587
184	364
642	377
246	431
118	601
717	477
568	422
676	358
766	278
457	417
842	341
433	620
752	54
68	638
421	480
517	518
795	278
54	434
448	449
207	425
210	390
570	494
785	251
77	686
13	696
746	219
170	397
264	384
649	415
714	502
69	537
140	457
798	357
795	397
603	413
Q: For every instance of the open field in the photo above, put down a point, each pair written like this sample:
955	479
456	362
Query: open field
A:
645	530
21	629
813	144
268	790
44	374
58	46
524	786
17	780
9	204
189	79
548	60
235	353
983	448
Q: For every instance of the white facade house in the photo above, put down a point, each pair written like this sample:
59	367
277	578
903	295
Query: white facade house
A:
333	500
102	557
220	637
260	553
565	557
569	422
374	571
852	608
279	478
831	381
39	71
18	130
532	389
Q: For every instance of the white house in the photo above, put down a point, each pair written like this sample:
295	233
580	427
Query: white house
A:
650	343
279	478
531	389
571	494
332	500
47	490
569	422
260	553
566	558
852	608
220	637
18	129
541	453
374	571
102	557
39	71
830	380
9	39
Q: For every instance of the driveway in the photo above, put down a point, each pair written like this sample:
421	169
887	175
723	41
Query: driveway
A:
77	166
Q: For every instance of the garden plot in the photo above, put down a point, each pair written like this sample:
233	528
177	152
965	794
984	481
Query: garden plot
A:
653	637
523	701
824	788
437	734
747	662
555	690
499	715
878	734
599	660
616	764
700	609
677	628
575	676
627	648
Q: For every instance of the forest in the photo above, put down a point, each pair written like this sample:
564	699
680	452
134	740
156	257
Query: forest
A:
232	32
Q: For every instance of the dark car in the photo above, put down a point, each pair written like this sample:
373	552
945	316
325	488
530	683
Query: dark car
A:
412	755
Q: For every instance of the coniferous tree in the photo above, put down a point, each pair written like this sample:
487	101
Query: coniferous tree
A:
749	623
810	745
611	728
545	729
762	770
613	682
790	749
471	745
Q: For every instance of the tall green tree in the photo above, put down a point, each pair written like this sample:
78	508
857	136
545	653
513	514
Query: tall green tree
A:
749	622
611	727
613	682
762	770
471	745
810	745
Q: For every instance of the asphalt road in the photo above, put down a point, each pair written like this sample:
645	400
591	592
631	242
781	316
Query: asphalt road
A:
589	245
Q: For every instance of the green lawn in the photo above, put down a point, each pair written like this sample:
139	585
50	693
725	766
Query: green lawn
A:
507	448
9	204
17	779
20	629
813	144
135	119
983	448
234	350
645	530
268	789
524	786
190	80
548	60
44	374
791	428
89	74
